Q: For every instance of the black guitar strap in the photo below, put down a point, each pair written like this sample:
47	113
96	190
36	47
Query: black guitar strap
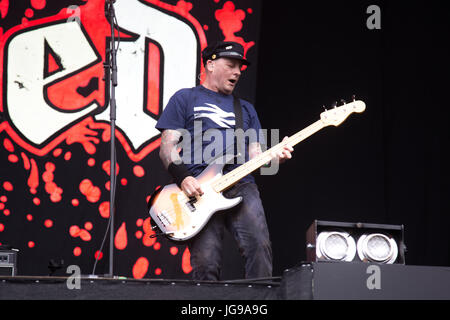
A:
239	124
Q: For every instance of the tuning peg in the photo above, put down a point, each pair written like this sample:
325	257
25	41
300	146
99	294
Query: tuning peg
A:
334	105
353	97
343	101
324	108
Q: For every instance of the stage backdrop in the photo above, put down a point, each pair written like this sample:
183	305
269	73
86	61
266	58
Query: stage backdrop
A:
55	124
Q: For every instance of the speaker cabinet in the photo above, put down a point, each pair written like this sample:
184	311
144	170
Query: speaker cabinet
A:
8	262
352	242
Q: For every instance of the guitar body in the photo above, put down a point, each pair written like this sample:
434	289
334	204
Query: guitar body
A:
181	218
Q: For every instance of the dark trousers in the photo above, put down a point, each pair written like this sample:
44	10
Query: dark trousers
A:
247	223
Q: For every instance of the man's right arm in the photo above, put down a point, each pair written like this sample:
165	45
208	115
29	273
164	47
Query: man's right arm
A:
168	152
171	160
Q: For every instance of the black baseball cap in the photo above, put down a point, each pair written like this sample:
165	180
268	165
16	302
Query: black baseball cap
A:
224	49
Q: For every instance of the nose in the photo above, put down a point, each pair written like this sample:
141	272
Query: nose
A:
237	70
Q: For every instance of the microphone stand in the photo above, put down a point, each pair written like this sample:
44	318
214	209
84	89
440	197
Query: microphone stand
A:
111	76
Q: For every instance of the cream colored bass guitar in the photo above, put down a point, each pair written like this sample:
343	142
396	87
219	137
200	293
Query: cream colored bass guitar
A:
180	218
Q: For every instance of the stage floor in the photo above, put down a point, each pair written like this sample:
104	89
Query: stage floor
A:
307	281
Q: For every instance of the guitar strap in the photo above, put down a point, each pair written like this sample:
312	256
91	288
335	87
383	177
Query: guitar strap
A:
239	124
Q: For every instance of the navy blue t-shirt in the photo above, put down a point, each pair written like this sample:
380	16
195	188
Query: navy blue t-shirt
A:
208	118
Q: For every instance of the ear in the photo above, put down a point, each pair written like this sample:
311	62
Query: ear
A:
210	65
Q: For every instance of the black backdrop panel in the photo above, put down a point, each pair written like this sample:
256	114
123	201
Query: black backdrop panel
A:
386	165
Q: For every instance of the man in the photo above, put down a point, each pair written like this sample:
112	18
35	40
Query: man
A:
212	103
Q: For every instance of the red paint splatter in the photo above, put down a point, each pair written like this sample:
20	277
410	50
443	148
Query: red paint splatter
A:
47	176
138	171
106	166
139	234
140	268
91	192
2	206
74	231
124	181
38	4
139	222
6	212
77	251
80	133
67	155
8	145
4	5
103	208
75	202
56	196
13	158
85	235
186	261
3	198
147	239
26	161
88	226
33	179
36	201
158	271
57	152
29	13
8	186
157	246
98	255
121	239
173	250
230	21
2	227
50	186
147	225
29	217
91	162
31	244
48	223
50	167
184	7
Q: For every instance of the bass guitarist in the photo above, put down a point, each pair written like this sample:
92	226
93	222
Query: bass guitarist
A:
214	105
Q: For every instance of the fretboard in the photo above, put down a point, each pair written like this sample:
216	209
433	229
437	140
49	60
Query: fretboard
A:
240	172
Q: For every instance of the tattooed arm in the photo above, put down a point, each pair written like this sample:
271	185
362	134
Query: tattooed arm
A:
169	154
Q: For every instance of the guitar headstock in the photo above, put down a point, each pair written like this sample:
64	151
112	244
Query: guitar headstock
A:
337	115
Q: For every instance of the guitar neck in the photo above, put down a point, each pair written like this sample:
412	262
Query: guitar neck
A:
240	172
